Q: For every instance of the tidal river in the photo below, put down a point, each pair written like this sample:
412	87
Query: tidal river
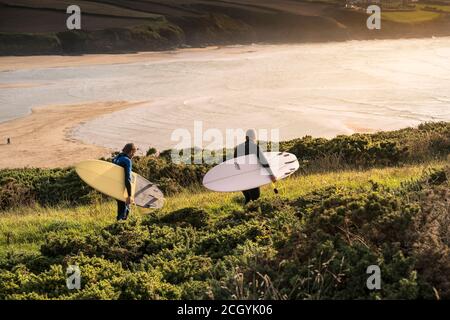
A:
309	89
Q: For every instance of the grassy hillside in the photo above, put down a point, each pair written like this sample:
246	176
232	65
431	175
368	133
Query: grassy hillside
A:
418	13
50	187
39	27
411	16
312	240
88	7
26	227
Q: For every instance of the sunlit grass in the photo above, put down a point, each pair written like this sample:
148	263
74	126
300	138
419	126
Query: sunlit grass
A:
445	8
24	229
410	16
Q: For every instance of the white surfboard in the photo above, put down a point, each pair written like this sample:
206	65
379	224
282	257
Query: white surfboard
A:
246	172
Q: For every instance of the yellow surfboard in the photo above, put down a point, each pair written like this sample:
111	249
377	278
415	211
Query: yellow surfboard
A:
109	179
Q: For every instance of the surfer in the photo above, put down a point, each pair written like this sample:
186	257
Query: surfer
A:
250	146
123	159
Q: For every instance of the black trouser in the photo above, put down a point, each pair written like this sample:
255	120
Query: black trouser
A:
122	210
251	195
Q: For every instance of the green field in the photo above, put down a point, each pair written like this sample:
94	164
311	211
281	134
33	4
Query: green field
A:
420	14
410	17
445	8
87	7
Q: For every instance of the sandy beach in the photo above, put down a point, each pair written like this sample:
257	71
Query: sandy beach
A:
14	63
299	90
42	139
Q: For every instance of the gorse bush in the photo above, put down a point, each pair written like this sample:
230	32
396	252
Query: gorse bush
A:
49	187
101	279
195	217
317	246
387	148
118	242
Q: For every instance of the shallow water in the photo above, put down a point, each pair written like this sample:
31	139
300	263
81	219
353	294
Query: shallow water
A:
314	89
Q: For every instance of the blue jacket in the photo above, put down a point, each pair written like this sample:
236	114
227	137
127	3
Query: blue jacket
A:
125	162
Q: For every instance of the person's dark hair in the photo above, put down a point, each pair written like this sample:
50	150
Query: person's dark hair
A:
128	147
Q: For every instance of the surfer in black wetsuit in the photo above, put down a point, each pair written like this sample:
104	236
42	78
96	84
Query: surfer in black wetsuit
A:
250	146
123	159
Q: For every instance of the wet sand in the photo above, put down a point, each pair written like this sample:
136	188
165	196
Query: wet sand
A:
18	85
43	138
13	63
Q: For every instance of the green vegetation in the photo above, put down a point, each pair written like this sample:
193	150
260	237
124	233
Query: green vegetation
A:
158	35
434	7
413	16
28	42
417	13
384	201
155	35
312	242
49	187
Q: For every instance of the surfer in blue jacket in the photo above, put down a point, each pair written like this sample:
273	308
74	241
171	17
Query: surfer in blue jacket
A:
250	146
123	159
